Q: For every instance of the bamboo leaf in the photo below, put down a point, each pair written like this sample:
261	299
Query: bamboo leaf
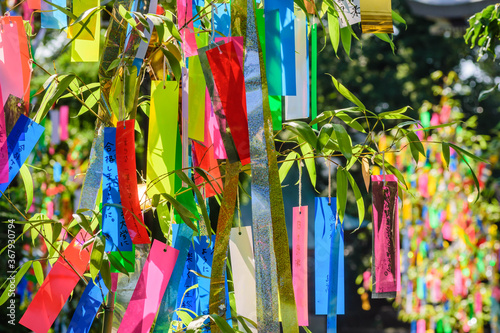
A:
385	37
334	31
466	153
341	193
346	37
83	222
174	63
19	275
106	272
365	169
476	182
52	93
343	140
37	268
184	213
308	154
222	324
359	198
96	257
414	140
287	164
28	185
117	264
346	93
304	131
324	136
445	147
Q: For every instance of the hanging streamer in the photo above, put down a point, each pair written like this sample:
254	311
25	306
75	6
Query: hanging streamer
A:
212	127
143	46
197	87
218	289
273	52
162	137
150	288
181	242
203	257
298	106
287	39
127	181
222	19
4	151
35	4
184	15
376	16
336	270
350	11
243	267
385	262
228	77
85	48
63	122
114	227
299	263
53	18
20	142
58	285
86	310
314	73
185	122
187	299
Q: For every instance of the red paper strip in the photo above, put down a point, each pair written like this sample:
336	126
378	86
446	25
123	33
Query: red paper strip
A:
127	181
204	158
35	4
385	235
228	77
185	14
299	263
58	285
150	288
238	45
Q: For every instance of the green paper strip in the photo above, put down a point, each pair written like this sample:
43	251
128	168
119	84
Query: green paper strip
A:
196	100
314	73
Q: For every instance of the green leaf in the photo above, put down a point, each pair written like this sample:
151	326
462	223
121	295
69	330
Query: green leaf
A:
485	93
350	122
414	140
385	37
96	257
28	185
127	16
106	272
343	140
414	152
359	198
396	17
83	222
222	324
183	212
304	131
19	275
37	268
69	14
287	164
345	36
90	102
466	153
117	264
346	93
174	63
243	321
341	193
324	136
52	93
184	316
196	324
308	154
334	31
445	148
476	182
435	127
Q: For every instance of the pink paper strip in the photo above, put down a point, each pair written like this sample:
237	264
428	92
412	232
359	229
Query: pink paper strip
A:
150	288
58	285
185	14
299	263
11	78
458	279
421	326
212	128
63	122
4	153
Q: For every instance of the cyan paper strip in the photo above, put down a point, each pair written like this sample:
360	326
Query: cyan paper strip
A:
53	18
333	292
114	227
57	170
20	142
86	310
273	52
188	280
181	240
287	36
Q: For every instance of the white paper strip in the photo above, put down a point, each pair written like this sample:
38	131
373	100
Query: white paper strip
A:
243	266
298	106
351	11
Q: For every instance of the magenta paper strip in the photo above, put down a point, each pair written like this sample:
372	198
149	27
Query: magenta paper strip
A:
4	152
185	14
386	274
63	122
58	285
212	127
150	288
238	45
11	78
299	263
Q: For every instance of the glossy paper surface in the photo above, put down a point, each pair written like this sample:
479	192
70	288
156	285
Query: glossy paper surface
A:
153	281
10	60
197	88
93	176
127	181
20	142
376	16
184	15
86	49
51	17
299	263
58	285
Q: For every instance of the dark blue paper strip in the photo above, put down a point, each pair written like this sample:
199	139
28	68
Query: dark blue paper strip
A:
20	142
114	227
203	263
287	36
188	280
86	310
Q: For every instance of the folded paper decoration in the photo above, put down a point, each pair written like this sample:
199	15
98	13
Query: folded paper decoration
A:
58	285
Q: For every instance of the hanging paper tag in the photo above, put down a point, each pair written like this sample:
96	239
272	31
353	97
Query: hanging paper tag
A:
89	304
58	285
35	4
228	77
197	88
187	299
299	263
127	181
20	142
185	15
150	288
350	11
53	18
113	220
222	19
243	267
11	64
63	122
212	127
162	137
86	48
386	276
376	16
4	151
336	294
203	265
181	241
204	158
298	106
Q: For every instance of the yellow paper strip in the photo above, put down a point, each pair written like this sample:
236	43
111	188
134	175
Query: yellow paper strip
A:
196	100
162	137
79	7
84	48
376	16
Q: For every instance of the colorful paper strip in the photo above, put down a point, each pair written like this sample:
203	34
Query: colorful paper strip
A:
299	263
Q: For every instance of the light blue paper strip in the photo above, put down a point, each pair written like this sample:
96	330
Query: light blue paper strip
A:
222	19
287	36
114	227
331	319
181	239
200	4
20	142
57	171
340	282
188	280
203	263
86	310
53	18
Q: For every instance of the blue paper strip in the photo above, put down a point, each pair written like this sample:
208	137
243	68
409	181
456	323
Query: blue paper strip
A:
57	171
91	300
20	142
333	296
53	18
222	19
200	4
114	227
188	280
273	54
203	262
181	240
287	36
